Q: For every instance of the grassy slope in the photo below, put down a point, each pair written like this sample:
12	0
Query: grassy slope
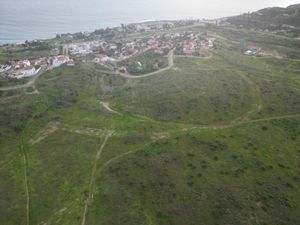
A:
160	166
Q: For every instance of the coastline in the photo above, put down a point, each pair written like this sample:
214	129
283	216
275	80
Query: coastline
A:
4	42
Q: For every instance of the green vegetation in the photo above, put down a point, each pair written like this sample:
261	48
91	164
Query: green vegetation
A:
210	141
146	62
29	50
283	21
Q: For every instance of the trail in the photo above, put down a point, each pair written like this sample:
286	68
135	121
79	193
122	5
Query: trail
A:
92	132
3	165
244	122
49	129
257	106
98	156
209	56
25	162
30	83
213	127
106	106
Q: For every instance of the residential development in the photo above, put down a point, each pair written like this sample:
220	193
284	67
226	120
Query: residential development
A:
18	69
109	52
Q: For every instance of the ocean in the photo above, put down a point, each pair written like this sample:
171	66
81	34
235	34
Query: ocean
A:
22	20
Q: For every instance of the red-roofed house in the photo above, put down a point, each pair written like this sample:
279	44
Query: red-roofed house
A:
189	48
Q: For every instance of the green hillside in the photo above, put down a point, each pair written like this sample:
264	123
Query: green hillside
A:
213	140
281	20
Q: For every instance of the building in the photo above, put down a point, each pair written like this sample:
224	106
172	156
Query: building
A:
59	60
28	71
250	53
4	68
25	72
22	64
17	75
103	59
210	43
71	62
189	48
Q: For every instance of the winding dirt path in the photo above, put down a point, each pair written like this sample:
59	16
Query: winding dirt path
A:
25	162
209	56
106	106
92	178
214	127
49	129
244	122
257	106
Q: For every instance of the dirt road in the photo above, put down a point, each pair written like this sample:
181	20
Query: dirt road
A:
106	106
98	156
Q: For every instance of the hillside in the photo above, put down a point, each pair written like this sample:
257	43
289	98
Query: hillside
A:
276	19
211	138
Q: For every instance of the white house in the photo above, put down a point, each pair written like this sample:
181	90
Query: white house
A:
29	71
210	43
4	68
71	62
59	60
22	63
103	59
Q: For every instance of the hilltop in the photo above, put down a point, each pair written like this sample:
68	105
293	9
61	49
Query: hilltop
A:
275	19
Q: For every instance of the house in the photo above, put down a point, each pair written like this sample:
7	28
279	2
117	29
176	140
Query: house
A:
59	60
112	47
250	53
123	69
71	62
152	43
28	71
25	72
139	66
211	42
208	43
80	48
17	75
256	49
189	48
4	68
104	59
22	64
39	62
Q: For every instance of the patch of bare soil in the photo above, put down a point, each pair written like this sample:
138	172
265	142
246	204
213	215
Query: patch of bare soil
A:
49	129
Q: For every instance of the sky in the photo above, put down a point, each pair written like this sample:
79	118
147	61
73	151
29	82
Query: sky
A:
227	7
204	8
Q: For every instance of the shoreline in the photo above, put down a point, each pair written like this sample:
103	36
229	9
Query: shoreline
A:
141	22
